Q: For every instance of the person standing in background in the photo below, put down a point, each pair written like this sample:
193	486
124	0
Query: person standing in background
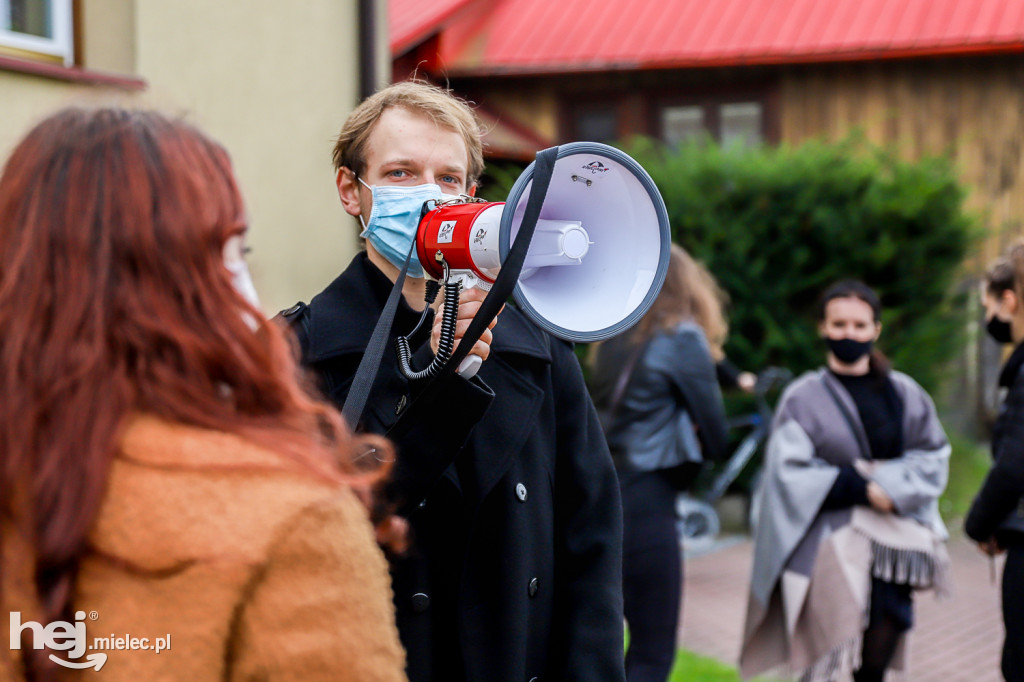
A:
995	520
848	522
664	418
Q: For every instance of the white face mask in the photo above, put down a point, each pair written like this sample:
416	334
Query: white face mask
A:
234	261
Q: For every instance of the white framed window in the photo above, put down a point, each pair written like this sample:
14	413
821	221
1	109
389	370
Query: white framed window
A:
682	124
38	28
741	123
730	123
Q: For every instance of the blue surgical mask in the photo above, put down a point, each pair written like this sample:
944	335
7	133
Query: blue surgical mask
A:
395	219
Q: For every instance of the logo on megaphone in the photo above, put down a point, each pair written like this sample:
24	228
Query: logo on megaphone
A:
599	252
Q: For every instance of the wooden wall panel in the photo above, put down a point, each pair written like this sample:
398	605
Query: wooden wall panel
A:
970	109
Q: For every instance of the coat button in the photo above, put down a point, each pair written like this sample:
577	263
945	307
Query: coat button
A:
534	586
420	602
534	679
422	504
401	404
521	492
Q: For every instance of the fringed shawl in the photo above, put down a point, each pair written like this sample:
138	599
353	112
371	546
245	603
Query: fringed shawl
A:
810	587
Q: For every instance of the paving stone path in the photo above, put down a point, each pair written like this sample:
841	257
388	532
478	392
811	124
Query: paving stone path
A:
958	640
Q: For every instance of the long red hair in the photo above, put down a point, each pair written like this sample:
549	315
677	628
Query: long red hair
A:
114	300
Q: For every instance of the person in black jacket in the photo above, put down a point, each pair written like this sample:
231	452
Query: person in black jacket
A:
514	567
658	390
995	520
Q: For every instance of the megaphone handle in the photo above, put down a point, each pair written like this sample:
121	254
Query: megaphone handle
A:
470	366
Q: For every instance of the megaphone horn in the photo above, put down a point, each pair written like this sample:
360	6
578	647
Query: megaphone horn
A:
599	252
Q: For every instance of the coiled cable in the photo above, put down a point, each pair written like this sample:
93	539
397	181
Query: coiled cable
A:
445	345
429	296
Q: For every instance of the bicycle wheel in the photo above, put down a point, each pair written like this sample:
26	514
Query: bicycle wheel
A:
698	523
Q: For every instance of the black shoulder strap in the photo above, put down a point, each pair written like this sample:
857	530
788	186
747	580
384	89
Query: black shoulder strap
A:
355	402
512	266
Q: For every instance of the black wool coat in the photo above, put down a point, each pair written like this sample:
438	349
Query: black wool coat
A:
515	567
998	509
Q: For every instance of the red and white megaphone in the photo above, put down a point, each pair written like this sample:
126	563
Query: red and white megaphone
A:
598	256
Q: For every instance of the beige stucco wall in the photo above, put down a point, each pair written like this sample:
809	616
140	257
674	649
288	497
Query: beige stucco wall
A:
271	81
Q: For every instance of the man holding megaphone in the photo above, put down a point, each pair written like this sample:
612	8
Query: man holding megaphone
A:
514	567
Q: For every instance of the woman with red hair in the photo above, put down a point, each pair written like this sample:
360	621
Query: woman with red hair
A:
162	466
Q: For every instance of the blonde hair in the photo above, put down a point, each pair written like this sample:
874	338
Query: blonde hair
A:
690	292
418	97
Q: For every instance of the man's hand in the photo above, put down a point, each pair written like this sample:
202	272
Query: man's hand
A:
879	499
991	547
747	382
469	303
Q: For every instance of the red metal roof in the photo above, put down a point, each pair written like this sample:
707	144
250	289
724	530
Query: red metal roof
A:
542	36
410	21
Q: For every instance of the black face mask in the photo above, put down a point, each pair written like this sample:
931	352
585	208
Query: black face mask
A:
848	351
1000	331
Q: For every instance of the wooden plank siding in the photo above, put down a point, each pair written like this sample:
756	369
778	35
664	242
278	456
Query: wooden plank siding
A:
971	109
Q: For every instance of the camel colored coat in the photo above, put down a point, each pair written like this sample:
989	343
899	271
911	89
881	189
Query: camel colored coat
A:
248	571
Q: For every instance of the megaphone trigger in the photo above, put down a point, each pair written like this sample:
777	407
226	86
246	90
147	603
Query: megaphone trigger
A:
469	366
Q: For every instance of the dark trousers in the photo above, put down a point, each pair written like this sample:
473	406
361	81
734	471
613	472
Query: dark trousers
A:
652	576
1013	615
891	615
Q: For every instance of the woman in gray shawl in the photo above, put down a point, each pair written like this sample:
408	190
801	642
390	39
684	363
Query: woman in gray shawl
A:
848	524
